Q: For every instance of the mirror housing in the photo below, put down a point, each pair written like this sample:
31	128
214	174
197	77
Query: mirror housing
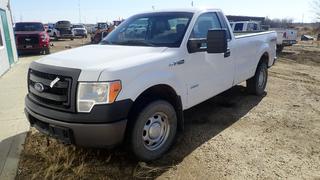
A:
197	45
217	41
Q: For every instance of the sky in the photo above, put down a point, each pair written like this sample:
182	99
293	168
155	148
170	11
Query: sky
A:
93	11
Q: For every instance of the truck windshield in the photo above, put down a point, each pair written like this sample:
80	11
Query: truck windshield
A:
78	26
165	29
29	27
63	25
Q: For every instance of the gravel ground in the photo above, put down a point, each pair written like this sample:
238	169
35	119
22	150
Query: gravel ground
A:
232	136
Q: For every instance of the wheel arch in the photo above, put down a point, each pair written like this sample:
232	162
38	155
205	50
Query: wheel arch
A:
158	92
264	58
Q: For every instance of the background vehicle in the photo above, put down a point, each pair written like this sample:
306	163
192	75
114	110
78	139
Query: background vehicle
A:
62	30
79	30
135	85
243	26
32	37
285	37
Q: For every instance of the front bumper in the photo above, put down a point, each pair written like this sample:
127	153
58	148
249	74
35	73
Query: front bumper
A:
101	134
34	47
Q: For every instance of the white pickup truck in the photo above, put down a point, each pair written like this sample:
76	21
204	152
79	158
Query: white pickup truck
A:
135	86
285	37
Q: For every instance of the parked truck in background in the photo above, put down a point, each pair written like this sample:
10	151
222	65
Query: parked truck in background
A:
285	37
135	86
62	30
79	30
31	37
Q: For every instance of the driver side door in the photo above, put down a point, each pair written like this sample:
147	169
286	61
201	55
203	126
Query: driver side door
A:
208	74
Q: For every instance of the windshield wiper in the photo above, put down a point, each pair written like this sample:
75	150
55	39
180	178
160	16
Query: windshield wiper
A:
134	43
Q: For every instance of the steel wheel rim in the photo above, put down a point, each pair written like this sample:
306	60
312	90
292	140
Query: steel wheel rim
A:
262	78
156	131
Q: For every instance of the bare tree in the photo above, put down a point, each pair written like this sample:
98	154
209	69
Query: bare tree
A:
316	8
279	23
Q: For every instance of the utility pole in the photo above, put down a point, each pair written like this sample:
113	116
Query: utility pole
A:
192	4
79	5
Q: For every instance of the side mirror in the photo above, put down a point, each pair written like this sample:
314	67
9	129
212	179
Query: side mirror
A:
197	45
217	41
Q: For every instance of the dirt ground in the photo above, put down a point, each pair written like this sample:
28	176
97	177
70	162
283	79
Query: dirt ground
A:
232	136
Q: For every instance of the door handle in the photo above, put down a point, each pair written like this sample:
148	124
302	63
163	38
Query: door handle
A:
176	63
227	53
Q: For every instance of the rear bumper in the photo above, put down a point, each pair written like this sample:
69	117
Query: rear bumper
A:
289	42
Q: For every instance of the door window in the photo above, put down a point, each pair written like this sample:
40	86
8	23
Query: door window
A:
204	23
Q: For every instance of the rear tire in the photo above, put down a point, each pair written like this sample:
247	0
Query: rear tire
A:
257	84
154	130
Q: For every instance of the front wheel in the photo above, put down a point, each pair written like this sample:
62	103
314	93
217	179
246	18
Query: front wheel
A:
257	84
46	50
154	130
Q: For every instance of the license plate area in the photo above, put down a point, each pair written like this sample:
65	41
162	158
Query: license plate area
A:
61	133
29	46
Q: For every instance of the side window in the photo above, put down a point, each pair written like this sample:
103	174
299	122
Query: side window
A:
238	27
204	23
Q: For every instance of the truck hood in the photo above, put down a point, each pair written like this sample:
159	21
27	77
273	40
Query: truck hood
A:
100	57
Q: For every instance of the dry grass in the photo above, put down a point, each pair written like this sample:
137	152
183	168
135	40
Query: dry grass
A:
45	158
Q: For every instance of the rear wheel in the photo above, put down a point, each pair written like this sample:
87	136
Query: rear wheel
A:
257	84
154	130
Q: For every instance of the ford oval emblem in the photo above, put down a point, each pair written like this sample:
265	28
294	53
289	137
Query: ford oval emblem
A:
39	87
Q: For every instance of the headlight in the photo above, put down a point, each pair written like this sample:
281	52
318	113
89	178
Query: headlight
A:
91	94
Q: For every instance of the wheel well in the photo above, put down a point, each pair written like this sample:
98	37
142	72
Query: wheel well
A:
264	59
158	92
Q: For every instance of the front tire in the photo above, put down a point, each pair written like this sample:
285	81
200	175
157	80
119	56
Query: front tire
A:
257	84
46	50
154	130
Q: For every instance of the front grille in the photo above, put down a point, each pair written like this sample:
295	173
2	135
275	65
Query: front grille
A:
28	40
65	32
79	31
62	96
57	96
